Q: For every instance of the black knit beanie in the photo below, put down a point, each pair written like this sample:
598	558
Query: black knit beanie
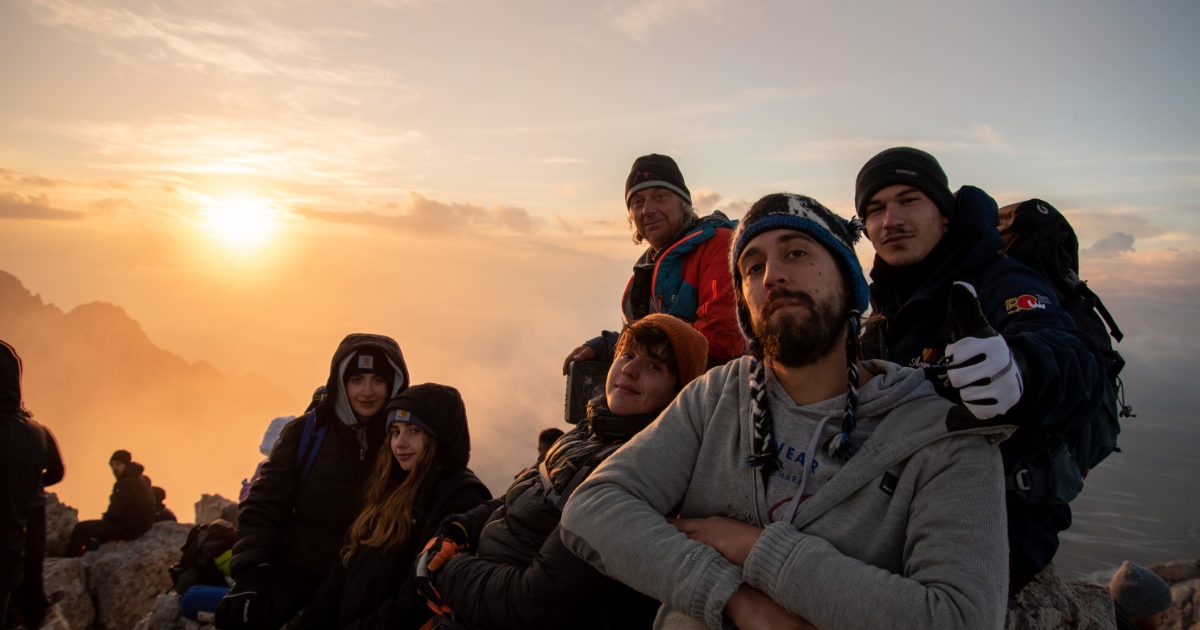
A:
656	171
904	165
122	456
803	214
1138	592
370	361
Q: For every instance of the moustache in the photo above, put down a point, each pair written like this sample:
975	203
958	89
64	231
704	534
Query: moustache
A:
774	296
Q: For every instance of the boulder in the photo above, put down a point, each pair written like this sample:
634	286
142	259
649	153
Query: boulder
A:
66	584
1183	576
1048	603
211	507
60	520
125	577
165	616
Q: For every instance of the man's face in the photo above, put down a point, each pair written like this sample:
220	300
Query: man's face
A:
903	224
658	214
117	467
795	294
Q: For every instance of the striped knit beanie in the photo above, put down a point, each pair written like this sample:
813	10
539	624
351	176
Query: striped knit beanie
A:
796	212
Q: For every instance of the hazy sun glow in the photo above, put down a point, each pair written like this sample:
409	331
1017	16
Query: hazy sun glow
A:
240	224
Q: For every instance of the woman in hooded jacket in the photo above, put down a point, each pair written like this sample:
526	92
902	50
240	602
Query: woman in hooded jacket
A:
419	479
293	522
518	573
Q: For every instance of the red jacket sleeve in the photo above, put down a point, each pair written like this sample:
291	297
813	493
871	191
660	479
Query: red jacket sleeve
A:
708	270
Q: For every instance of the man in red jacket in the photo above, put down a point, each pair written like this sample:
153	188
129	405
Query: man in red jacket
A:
685	270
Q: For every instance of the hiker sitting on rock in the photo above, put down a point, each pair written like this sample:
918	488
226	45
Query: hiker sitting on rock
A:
293	523
130	509
420	478
161	511
518	573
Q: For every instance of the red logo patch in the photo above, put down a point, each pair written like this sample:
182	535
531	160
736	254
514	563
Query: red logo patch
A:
1023	303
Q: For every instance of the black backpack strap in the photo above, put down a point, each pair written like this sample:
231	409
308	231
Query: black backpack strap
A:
1087	292
310	442
559	499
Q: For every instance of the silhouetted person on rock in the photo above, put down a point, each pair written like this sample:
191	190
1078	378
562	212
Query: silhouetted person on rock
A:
161	511
29	601
130	509
22	456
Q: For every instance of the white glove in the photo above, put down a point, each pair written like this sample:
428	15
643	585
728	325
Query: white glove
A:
985	374
980	365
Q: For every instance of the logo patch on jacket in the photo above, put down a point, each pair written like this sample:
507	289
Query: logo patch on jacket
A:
366	362
929	359
1025	302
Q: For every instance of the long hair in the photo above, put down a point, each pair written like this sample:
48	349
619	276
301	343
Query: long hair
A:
387	515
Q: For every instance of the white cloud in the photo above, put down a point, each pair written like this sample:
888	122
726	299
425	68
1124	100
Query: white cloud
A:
637	19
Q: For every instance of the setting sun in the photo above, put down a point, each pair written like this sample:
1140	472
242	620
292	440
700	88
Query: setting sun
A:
240	224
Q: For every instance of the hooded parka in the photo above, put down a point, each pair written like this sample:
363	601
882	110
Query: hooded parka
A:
290	530
22	455
376	587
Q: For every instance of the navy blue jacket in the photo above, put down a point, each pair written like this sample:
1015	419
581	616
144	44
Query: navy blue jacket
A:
1058	361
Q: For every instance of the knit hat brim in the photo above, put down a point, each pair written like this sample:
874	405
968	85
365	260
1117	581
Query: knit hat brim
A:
904	166
688	344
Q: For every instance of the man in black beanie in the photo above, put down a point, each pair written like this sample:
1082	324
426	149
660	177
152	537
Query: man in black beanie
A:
130	512
684	272
1032	367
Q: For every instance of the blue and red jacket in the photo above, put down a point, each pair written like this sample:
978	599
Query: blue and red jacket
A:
689	280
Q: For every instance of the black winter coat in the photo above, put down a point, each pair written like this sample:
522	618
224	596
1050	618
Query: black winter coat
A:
520	574
131	506
1057	359
22	457
299	527
378	589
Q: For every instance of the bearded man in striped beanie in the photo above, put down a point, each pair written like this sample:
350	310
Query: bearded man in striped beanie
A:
813	489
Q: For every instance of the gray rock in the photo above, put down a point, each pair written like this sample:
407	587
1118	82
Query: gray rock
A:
125	577
1049	603
60	520
210	507
66	584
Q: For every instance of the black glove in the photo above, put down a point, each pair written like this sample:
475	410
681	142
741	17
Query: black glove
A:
244	606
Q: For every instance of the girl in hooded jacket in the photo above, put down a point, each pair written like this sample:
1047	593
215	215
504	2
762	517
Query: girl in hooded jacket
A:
419	479
293	522
518	573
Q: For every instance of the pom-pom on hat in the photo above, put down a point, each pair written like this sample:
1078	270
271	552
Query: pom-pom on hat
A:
1139	592
688	344
904	165
656	171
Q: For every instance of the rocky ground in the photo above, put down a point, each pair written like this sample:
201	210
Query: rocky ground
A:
125	585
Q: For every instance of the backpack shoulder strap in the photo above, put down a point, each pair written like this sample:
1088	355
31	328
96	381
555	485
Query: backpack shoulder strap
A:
310	442
559	499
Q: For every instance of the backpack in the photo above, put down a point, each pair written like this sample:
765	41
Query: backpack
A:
1040	237
310	442
205	559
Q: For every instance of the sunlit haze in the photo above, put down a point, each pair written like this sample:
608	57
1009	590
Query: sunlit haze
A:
251	181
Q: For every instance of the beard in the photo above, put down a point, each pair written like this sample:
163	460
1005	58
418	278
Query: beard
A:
800	337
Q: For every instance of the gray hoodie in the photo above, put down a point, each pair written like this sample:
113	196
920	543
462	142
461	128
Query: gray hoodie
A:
909	534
